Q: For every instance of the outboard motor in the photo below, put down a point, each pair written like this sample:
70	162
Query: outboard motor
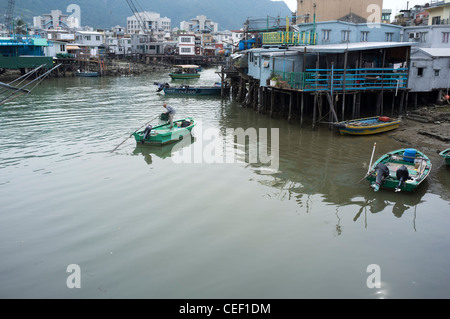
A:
160	87
402	176
147	131
382	172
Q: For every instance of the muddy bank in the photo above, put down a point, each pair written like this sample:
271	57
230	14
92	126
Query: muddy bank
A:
112	68
427	129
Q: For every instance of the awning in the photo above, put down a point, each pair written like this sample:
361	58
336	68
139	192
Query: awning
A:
73	47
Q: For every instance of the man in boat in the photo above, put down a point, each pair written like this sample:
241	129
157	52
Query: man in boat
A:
170	112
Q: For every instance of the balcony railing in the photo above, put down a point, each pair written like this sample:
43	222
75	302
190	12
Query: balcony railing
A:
290	38
338	80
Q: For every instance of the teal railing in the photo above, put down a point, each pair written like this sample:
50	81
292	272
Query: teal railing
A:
351	79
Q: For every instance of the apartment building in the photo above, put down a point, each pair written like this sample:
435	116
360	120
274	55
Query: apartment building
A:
152	22
327	10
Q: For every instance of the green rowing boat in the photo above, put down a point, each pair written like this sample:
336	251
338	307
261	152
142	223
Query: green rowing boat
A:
400	170
162	134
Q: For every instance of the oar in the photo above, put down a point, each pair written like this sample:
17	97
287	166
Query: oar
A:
370	165
133	133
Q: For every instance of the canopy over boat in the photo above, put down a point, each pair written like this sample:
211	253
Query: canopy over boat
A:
185	66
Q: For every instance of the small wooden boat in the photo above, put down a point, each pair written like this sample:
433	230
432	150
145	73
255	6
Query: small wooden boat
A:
185	71
189	90
162	134
446	156
400	170
367	126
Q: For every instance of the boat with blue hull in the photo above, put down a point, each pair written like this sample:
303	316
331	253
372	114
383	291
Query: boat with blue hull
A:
368	126
86	74
190	90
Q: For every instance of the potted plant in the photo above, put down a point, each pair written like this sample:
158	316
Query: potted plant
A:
273	79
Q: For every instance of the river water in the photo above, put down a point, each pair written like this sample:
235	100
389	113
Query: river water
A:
141	223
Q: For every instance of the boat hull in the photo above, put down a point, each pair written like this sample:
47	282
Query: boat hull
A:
183	76
162	135
418	167
86	74
367	126
446	156
194	91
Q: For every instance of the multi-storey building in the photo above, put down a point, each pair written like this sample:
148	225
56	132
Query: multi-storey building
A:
326	10
53	20
439	12
152	22
186	44
199	24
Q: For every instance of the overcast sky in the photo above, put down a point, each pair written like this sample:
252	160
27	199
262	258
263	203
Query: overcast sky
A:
394	5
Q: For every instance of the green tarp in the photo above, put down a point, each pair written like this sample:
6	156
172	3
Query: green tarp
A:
25	62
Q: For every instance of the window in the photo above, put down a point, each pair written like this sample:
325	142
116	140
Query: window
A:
346	36
326	35
423	37
364	36
437	72
186	39
445	37
419	71
436	20
97	37
186	50
389	36
88	38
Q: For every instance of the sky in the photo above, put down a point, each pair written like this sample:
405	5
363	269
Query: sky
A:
394	5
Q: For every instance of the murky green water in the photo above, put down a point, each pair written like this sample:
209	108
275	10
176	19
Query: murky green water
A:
141	225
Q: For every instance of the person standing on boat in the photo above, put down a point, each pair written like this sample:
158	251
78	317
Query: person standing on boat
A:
171	112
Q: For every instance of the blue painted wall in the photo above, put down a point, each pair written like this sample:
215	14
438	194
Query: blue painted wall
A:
376	32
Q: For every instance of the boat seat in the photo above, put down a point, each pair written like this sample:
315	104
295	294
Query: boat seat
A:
393	167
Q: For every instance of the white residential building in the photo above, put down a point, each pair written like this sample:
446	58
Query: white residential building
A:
152	22
55	47
124	46
90	39
200	24
186	44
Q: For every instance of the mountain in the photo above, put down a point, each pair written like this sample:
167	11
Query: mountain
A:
229	14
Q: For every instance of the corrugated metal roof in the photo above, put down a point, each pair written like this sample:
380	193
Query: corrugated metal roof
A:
342	47
436	52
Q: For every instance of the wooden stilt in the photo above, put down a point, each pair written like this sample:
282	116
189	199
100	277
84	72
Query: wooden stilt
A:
393	104
301	109
358	105
407	99
314	111
272	102
354	106
291	101
402	99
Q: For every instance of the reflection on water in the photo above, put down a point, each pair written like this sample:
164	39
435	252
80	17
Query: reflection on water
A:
162	151
141	224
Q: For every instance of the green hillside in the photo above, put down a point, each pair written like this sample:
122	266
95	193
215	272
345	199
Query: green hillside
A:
230	14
